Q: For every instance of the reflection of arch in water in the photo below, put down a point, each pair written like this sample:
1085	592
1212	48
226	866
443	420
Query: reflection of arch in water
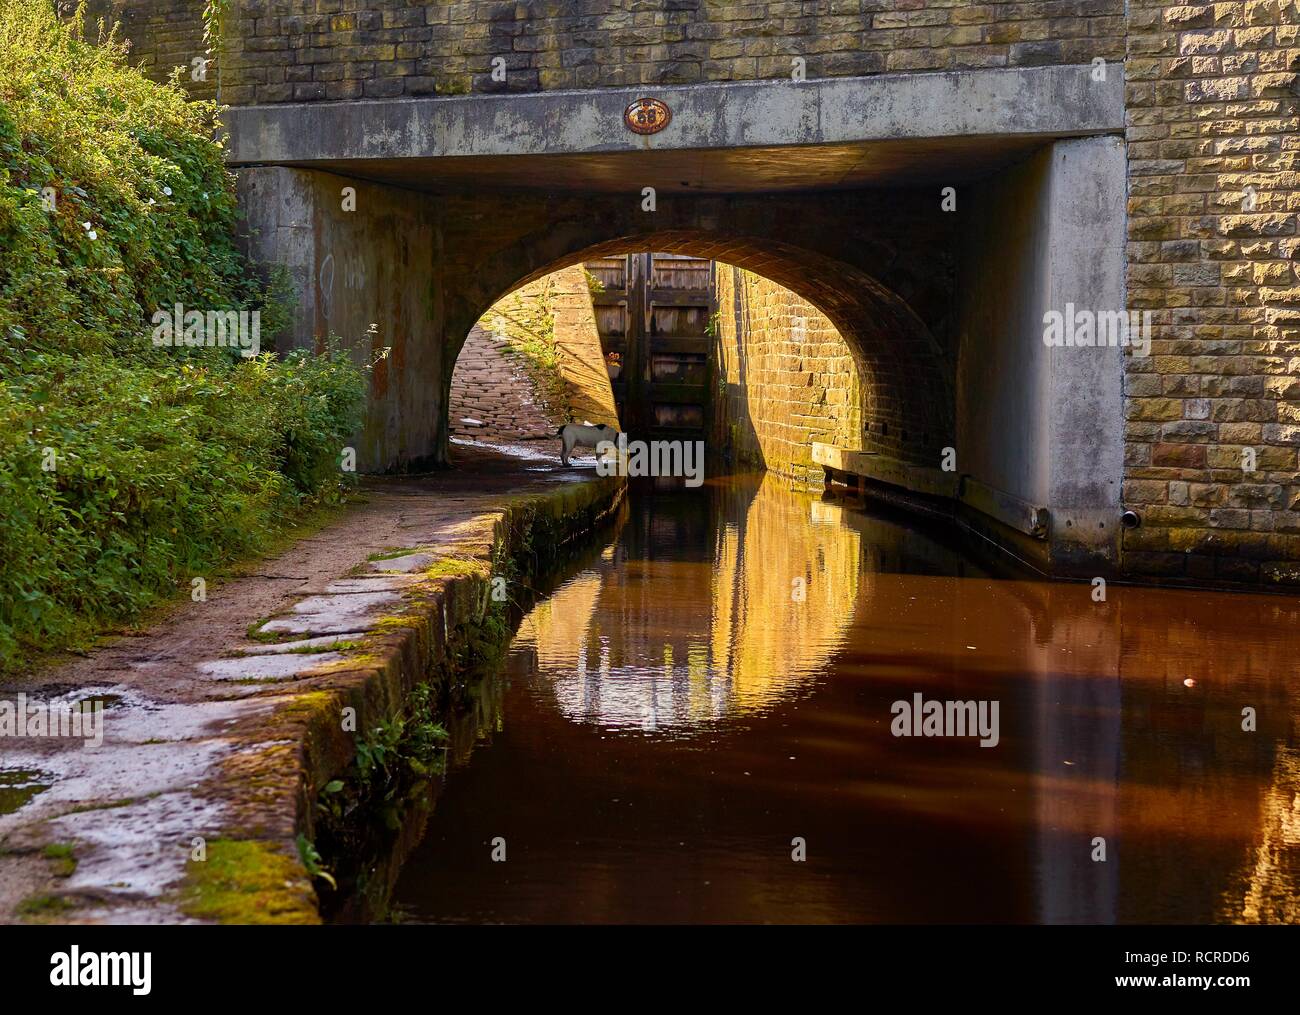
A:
734	642
557	628
770	643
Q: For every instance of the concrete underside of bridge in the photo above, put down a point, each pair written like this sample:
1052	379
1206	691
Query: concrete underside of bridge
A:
831	189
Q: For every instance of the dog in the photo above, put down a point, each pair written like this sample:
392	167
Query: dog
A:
573	435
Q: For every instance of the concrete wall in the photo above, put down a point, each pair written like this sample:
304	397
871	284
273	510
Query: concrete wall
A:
1041	425
371	279
1085	385
1003	285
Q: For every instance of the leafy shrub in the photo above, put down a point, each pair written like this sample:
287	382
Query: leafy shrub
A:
124	468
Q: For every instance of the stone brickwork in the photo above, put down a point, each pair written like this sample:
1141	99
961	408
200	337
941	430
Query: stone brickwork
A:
531	364
1212	416
901	330
493	395
1214	252
163	35
786	377
308	50
577	341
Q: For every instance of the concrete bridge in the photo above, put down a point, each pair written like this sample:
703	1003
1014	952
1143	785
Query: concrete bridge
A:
935	180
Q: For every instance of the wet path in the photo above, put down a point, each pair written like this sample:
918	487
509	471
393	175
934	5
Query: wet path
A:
673	722
194	746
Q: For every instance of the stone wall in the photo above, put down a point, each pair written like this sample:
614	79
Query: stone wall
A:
494	396
1214	154
577	340
1213	106
307	50
786	378
532	364
371	282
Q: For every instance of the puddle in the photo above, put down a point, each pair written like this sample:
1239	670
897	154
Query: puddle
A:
105	702
19	785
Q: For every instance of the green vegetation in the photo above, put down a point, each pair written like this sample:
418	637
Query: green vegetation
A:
125	468
389	774
525	319
215	13
36	906
458	567
312	862
247	882
393	760
334	646
63	861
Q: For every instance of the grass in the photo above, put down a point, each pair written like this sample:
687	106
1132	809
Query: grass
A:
61	856
48	906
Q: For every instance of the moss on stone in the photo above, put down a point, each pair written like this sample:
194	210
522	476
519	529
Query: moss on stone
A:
458	567
397	622
396	553
247	882
40	908
360	661
62	859
254	632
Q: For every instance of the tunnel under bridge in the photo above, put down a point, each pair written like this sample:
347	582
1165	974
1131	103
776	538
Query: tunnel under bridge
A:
934	219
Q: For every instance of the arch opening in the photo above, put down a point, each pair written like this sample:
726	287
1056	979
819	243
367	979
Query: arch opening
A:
828	315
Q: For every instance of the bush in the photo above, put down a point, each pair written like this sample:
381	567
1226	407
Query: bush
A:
124	468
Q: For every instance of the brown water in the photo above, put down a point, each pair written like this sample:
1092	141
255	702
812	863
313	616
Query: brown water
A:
672	719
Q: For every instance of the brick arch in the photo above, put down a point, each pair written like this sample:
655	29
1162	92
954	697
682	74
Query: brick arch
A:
905	373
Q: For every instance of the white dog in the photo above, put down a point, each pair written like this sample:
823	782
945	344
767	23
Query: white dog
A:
574	435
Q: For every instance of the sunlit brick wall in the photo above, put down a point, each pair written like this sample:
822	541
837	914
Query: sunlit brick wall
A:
1214	149
787	377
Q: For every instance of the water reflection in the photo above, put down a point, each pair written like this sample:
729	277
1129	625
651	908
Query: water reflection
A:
695	614
674	716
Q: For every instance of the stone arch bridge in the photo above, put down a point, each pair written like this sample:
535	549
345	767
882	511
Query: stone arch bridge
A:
934	179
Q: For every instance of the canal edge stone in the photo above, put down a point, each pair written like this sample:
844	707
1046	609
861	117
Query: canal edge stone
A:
270	787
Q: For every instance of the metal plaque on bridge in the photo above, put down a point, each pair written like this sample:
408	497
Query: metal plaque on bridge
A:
647	116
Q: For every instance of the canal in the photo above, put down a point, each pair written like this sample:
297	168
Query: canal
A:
698	725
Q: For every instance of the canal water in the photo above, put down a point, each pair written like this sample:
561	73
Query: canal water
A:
698	725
